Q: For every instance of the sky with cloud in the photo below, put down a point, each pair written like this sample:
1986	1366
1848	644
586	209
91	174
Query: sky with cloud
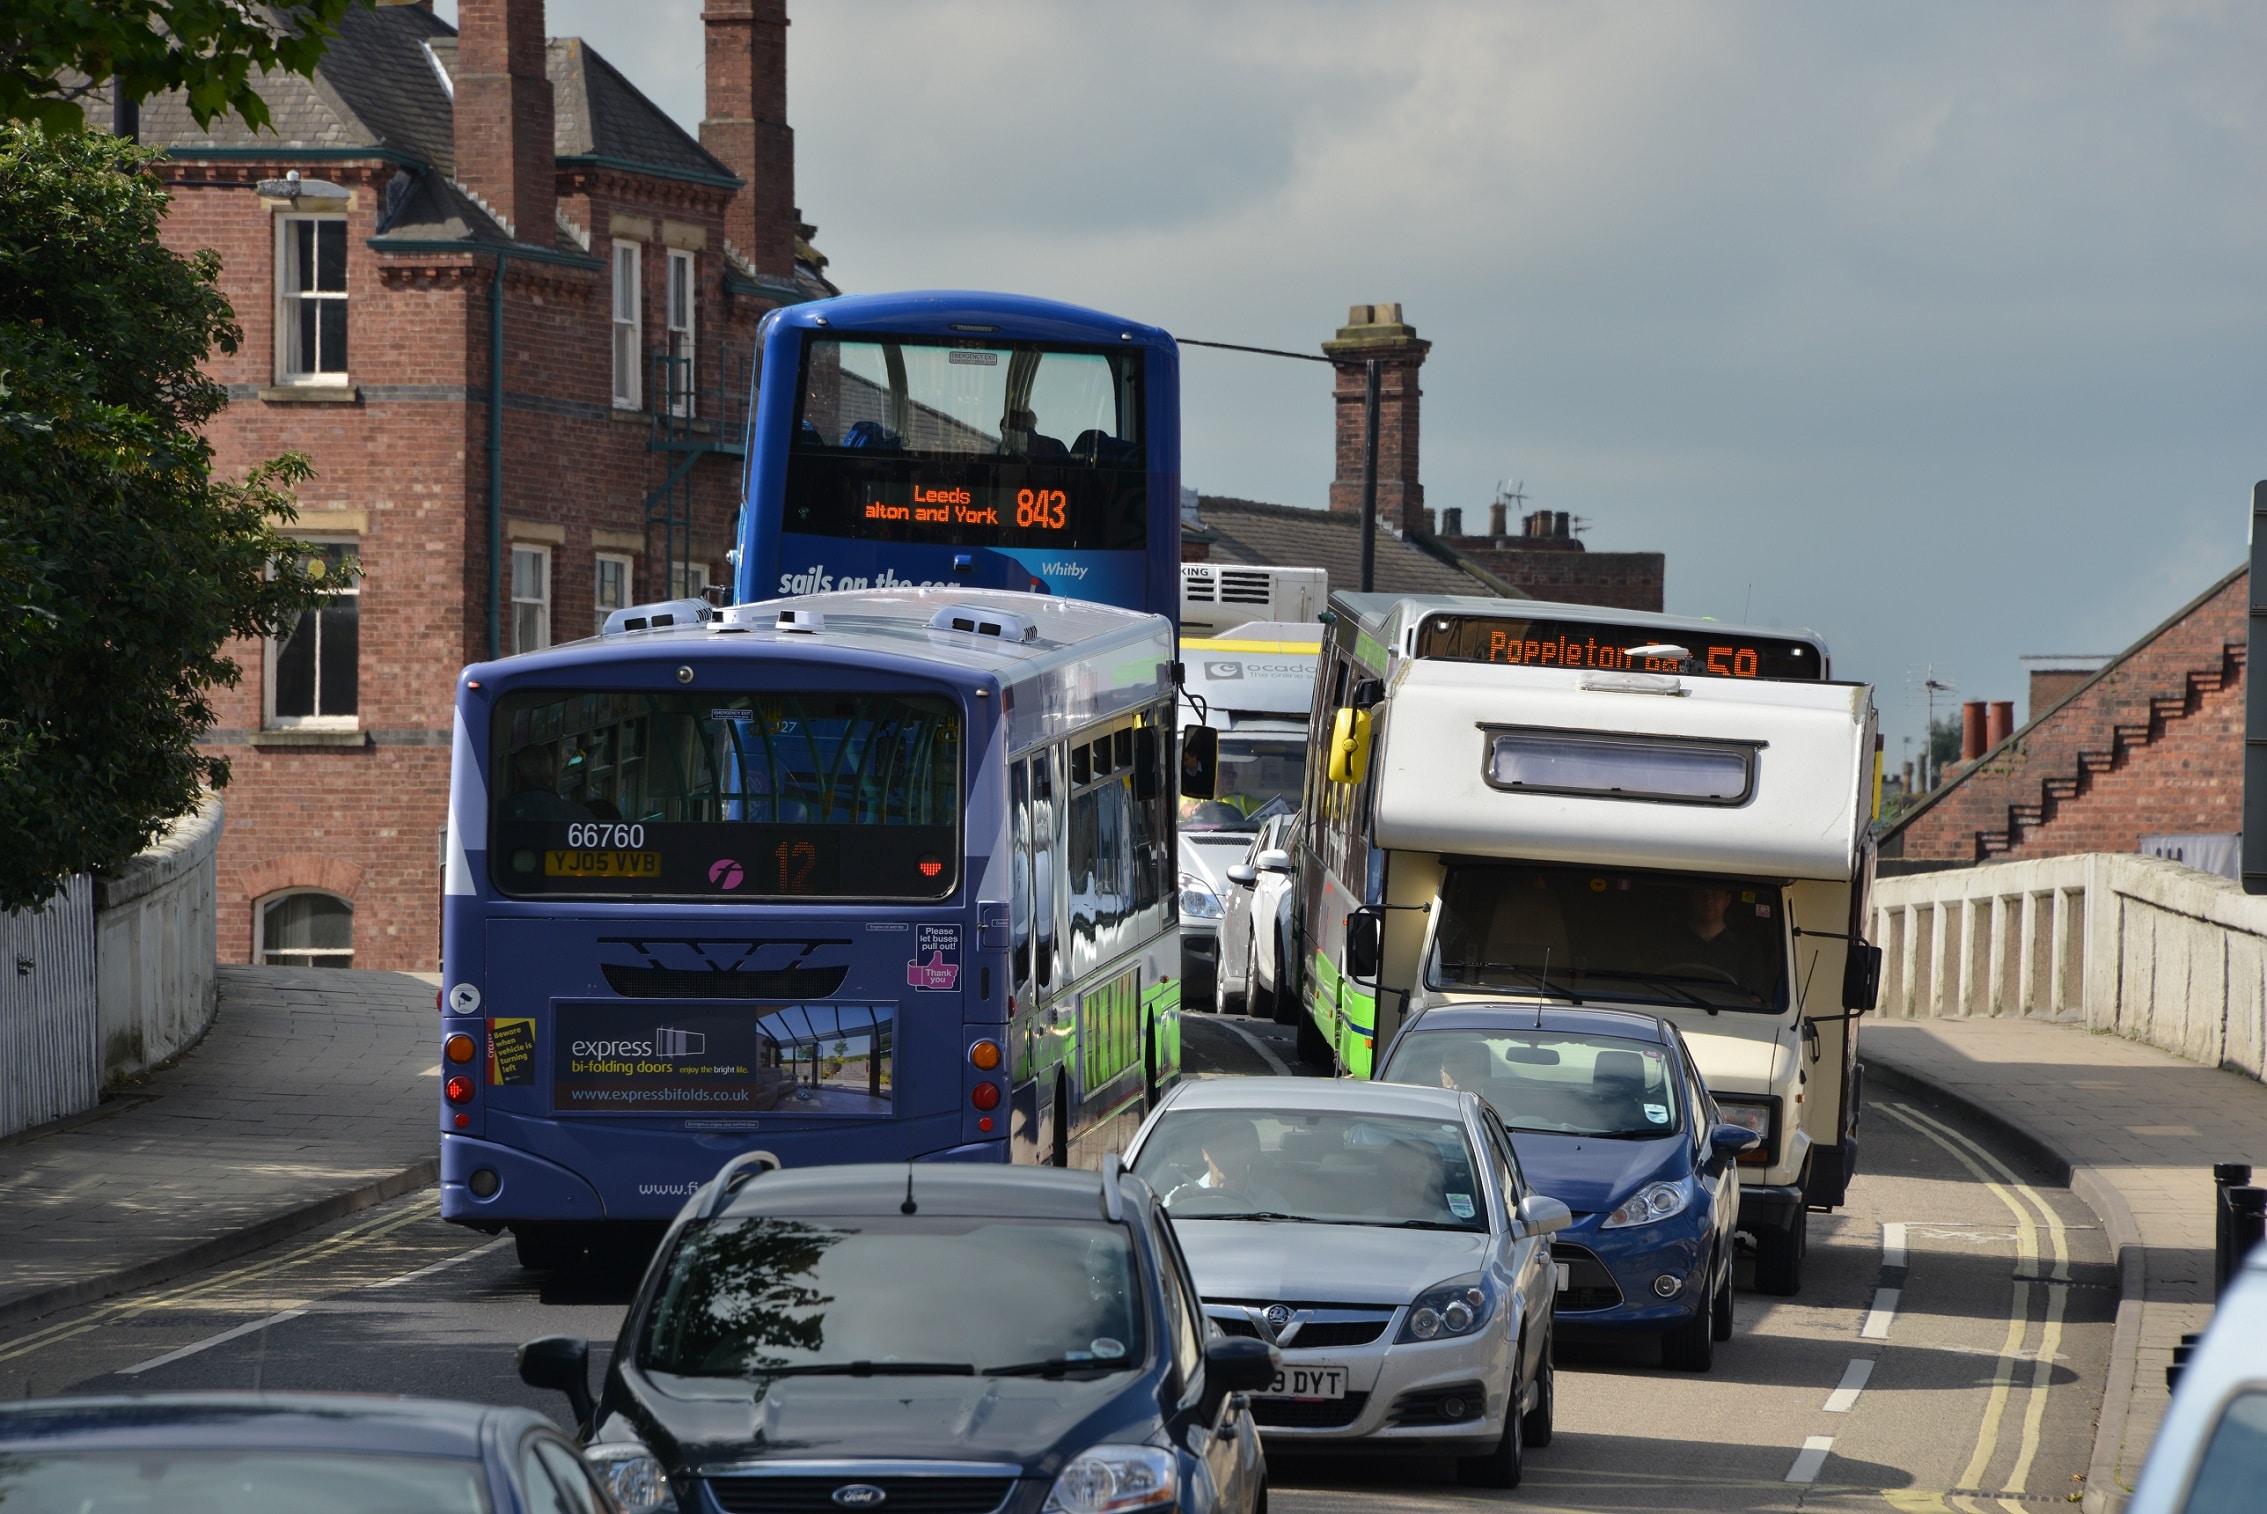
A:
1938	329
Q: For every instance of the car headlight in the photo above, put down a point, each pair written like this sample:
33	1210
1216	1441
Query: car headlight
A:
1460	1306
633	1476
1198	901
1111	1479
1650	1204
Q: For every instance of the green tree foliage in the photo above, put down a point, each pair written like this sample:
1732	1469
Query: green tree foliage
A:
53	53
126	566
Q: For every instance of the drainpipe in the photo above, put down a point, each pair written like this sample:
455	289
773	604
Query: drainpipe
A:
496	461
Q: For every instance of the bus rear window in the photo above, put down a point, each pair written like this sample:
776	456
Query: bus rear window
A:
724	797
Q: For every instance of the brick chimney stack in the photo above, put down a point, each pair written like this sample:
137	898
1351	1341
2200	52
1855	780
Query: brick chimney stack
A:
747	128
504	148
1377	331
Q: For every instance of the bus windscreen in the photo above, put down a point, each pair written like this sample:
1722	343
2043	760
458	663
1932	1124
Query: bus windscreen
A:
1629	648
969	443
725	797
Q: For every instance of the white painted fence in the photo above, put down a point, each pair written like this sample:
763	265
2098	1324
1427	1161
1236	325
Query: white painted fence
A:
2149	949
108	978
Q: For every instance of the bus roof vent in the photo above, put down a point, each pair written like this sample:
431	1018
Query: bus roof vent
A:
657	617
805	622
976	620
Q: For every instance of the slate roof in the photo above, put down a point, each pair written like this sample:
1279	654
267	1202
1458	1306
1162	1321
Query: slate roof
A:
382	86
1247	531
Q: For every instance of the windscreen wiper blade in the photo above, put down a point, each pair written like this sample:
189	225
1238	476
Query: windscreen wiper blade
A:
1428	1225
868	1369
1261	1214
1675	987
1534	979
1057	1366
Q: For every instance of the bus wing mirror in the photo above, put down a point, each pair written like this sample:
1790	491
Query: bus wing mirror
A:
1367	694
1200	762
1349	745
1861	977
1365	943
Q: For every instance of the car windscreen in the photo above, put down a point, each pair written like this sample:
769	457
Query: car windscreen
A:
1260	777
745	1296
122	1480
1690	939
725	797
2234	1465
1326	1168
1542	1080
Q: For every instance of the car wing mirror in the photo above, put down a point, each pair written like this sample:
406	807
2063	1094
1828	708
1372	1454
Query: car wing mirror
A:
561	1362
1242	874
1726	1142
1273	861
1365	943
1238	1364
1861	976
1538	1215
1200	762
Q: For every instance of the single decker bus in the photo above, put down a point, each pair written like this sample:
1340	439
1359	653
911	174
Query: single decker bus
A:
864	876
963	440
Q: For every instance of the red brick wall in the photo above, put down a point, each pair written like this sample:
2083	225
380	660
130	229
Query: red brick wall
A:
410	456
2193	768
1620	580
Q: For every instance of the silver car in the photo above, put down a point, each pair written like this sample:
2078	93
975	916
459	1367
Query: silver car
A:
2210	1454
1255	921
1383	1237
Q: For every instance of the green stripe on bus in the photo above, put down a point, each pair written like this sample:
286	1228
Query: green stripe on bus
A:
1163	1003
1347	1014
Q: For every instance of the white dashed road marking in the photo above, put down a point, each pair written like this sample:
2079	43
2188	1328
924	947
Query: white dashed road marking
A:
1844	1398
1878	1317
1810	1458
208	1343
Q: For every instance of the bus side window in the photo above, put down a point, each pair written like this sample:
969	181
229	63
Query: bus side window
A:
1019	822
1047	863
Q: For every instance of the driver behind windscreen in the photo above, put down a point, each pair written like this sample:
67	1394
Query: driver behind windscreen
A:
1707	939
1230	1151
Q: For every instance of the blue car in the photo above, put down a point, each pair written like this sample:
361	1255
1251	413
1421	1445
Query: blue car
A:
1609	1116
252	1453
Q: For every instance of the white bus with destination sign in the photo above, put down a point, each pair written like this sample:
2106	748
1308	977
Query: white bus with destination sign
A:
1580	805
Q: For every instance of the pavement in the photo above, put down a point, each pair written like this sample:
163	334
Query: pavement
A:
312	1095
2137	1130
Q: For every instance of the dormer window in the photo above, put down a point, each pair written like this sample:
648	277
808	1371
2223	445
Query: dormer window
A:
311	299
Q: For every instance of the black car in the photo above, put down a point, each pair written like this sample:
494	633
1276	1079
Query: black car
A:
928	1339
253	1453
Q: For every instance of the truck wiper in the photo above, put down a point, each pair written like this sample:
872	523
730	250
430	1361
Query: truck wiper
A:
1673	986
1533	979
868	1369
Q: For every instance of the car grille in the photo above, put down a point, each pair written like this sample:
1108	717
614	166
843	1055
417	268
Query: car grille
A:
1307	1414
1430	1406
904	1495
1318	1334
1233	1325
1589	1286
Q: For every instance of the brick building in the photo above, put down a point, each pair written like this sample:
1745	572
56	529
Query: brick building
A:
1549	561
2148	749
430	198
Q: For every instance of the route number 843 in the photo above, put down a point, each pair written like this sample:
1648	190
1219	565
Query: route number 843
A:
603	833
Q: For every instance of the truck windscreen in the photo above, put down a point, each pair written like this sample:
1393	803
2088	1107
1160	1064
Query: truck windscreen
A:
725	797
980	443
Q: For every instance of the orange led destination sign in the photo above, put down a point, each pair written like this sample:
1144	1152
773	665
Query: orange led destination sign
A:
1035	509
1635	648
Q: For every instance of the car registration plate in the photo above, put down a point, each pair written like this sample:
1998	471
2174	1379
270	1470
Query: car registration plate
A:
1562	1275
1308	1382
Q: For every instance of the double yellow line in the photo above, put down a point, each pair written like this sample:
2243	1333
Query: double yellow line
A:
107	1314
2006	1188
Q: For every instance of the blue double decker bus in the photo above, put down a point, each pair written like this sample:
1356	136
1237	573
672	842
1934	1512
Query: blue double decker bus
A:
864	876
963	440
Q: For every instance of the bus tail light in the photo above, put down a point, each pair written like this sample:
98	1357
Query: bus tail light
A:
985	1055
459	1048
458	1089
985	1096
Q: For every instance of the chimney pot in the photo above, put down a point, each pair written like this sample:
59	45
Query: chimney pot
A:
2000	724
1559	526
1971	730
1498	518
1452	520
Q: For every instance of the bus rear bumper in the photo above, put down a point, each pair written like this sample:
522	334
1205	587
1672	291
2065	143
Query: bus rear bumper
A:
525	1187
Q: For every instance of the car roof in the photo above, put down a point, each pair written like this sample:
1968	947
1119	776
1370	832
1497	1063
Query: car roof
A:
936	1189
259	1421
1322	1095
1633	1025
